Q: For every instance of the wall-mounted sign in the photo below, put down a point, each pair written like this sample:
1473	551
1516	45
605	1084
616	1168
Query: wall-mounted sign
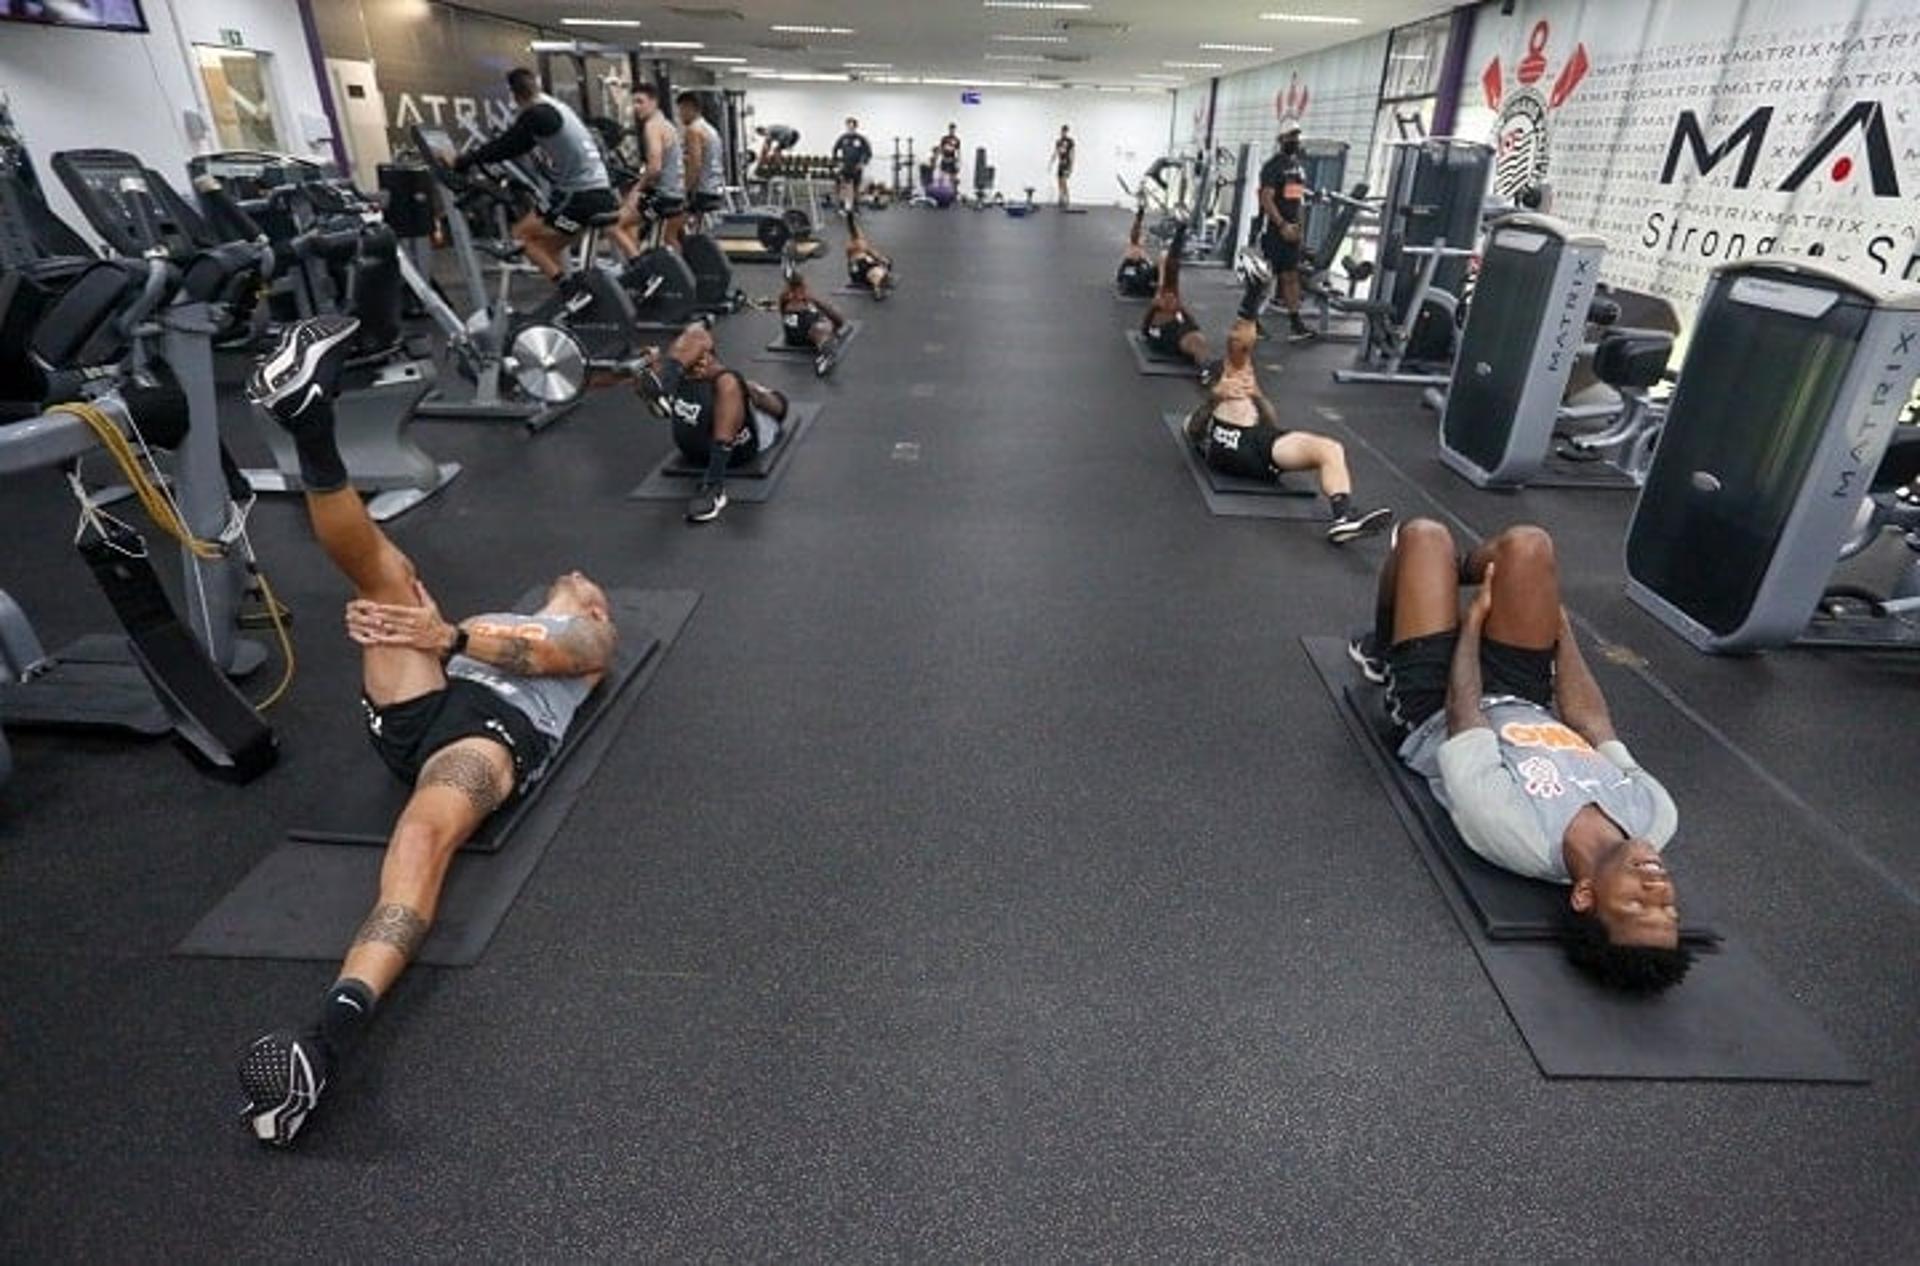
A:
970	97
232	38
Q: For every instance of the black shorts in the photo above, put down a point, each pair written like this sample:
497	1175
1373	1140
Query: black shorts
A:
1282	256
951	166
1065	171
801	335
1165	337
1245	452
408	733
569	212
853	174
665	205
695	442
1418	668
1136	283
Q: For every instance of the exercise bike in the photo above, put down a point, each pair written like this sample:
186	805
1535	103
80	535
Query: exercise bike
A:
713	286
530	373
665	293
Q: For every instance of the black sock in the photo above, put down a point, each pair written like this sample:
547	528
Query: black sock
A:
718	455
1339	501
321	468
344	1015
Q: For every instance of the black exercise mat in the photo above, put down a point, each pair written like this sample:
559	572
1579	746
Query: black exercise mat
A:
860	292
1287	498
304	901
365	816
1727	1021
1154	365
672	479
779	349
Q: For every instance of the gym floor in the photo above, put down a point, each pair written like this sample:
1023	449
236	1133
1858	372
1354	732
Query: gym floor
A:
986	874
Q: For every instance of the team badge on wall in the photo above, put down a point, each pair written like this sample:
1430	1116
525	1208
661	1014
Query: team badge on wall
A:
1520	136
1291	102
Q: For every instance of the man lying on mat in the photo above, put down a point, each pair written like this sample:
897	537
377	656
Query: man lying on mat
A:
1239	433
1136	276
867	268
808	320
720	420
1510	730
1169	328
469	714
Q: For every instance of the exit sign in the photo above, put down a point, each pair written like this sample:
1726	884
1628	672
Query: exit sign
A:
231	38
970	97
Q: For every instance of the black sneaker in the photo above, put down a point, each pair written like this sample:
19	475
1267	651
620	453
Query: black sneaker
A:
647	385
1356	523
1366	656
282	1076
1211	371
302	367
828	357
707	504
1299	331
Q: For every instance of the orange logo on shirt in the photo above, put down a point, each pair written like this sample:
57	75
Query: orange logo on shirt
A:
1549	734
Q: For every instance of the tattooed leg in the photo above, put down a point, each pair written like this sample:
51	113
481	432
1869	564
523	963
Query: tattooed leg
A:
459	787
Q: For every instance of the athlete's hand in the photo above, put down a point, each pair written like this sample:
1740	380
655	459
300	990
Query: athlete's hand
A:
1482	601
418	627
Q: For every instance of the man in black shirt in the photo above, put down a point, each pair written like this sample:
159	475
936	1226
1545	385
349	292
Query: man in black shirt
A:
1063	162
948	152
851	154
1283	193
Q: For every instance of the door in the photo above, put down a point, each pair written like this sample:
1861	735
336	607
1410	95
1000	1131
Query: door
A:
239	85
363	118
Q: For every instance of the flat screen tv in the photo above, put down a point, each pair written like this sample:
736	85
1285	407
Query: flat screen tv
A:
92	15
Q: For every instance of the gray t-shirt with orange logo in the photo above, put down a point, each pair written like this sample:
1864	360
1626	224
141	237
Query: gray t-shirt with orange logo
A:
1513	788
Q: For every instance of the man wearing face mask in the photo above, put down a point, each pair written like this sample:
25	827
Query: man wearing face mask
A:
1283	193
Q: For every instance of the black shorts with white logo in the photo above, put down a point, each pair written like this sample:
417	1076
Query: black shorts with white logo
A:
569	212
1165	337
408	734
1245	452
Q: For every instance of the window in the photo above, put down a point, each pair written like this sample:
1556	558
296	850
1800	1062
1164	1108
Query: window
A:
239	86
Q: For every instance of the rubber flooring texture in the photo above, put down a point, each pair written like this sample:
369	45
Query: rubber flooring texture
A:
985	876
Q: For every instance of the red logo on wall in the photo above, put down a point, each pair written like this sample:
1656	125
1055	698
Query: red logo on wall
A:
1520	136
1291	102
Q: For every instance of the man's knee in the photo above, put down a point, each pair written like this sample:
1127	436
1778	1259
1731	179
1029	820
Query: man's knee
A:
1524	545
1425	535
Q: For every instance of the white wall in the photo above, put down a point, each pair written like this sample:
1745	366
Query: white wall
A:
75	89
1119	133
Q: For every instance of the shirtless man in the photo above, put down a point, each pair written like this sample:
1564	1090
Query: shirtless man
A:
469	714
1239	431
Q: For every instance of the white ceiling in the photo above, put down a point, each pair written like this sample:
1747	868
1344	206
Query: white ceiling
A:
952	39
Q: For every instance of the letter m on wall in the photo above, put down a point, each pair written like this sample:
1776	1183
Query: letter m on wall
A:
1688	138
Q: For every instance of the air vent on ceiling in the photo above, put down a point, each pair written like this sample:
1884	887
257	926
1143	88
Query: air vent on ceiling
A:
1087	26
780	46
706	13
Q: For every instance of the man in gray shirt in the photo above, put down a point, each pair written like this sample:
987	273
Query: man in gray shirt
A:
468	714
1504	720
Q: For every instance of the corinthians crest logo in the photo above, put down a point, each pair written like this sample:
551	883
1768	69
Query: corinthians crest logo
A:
1520	137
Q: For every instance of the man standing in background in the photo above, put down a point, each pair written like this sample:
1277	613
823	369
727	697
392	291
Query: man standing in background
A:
851	154
1063	163
1283	195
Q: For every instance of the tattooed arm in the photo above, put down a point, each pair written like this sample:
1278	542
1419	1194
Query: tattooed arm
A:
581	647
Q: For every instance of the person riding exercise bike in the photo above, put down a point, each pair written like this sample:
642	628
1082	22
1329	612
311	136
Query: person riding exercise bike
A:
574	165
1504	720
470	714
662	182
